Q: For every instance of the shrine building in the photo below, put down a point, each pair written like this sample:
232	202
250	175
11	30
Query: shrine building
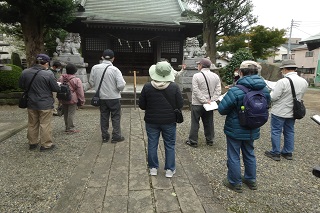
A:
140	32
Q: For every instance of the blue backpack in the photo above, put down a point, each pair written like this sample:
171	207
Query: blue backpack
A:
254	111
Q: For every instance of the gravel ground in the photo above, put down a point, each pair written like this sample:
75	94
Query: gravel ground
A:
284	186
31	181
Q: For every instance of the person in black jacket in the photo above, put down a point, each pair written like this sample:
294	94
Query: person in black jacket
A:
40	102
160	117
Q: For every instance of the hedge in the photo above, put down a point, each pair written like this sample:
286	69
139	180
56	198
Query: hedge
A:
9	79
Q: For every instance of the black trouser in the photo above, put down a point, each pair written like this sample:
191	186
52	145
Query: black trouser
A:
110	107
197	112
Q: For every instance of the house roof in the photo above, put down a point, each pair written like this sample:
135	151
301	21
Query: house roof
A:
300	47
313	42
292	46
139	12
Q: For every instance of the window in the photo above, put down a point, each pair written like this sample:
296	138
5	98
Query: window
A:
1	37
309	54
307	70
170	47
96	44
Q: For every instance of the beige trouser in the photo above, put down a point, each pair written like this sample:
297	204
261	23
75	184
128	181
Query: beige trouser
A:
40	121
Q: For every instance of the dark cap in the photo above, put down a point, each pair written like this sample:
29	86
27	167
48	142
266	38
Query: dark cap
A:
288	63
108	54
56	64
43	57
205	62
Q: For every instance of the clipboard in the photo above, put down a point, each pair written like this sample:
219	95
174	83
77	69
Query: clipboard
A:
316	118
212	106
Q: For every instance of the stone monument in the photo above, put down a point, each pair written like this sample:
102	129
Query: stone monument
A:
3	66
192	53
67	52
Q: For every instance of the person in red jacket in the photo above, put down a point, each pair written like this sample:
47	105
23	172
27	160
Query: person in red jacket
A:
77	97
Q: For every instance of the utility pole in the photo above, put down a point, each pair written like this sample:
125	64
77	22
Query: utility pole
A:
289	42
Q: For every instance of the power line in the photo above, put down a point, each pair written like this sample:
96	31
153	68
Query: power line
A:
302	31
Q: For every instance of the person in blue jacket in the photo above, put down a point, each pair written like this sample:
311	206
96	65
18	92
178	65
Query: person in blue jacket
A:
239	137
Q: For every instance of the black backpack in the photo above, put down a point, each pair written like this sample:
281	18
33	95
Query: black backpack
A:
254	111
65	92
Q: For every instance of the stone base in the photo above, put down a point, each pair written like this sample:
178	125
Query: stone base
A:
81	66
185	80
69	58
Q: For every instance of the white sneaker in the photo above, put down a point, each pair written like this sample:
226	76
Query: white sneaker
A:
169	173
153	171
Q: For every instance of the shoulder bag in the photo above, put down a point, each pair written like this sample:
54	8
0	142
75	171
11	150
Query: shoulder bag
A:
299	110
212	105
23	100
95	101
178	113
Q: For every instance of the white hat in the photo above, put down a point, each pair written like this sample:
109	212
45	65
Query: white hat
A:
162	71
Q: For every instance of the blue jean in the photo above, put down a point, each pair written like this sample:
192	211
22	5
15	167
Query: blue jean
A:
279	125
233	163
168	132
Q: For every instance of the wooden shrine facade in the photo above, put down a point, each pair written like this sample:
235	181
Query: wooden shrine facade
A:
139	38
136	49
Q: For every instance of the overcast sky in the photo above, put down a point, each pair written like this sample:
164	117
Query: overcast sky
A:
279	13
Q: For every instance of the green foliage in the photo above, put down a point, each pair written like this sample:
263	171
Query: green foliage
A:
50	39
14	30
36	18
9	79
240	56
48	13
14	36
231	44
261	41
222	17
16	60
264	41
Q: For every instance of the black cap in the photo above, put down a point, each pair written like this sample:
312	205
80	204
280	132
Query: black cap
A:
108	54
43	57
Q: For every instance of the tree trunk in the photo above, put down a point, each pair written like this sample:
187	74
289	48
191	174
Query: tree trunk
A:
33	37
210	37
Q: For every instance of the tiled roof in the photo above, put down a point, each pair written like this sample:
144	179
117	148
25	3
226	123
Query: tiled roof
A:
313	42
292	46
157	12
304	46
314	38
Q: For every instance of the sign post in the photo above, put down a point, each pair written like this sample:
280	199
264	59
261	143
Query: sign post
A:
135	88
